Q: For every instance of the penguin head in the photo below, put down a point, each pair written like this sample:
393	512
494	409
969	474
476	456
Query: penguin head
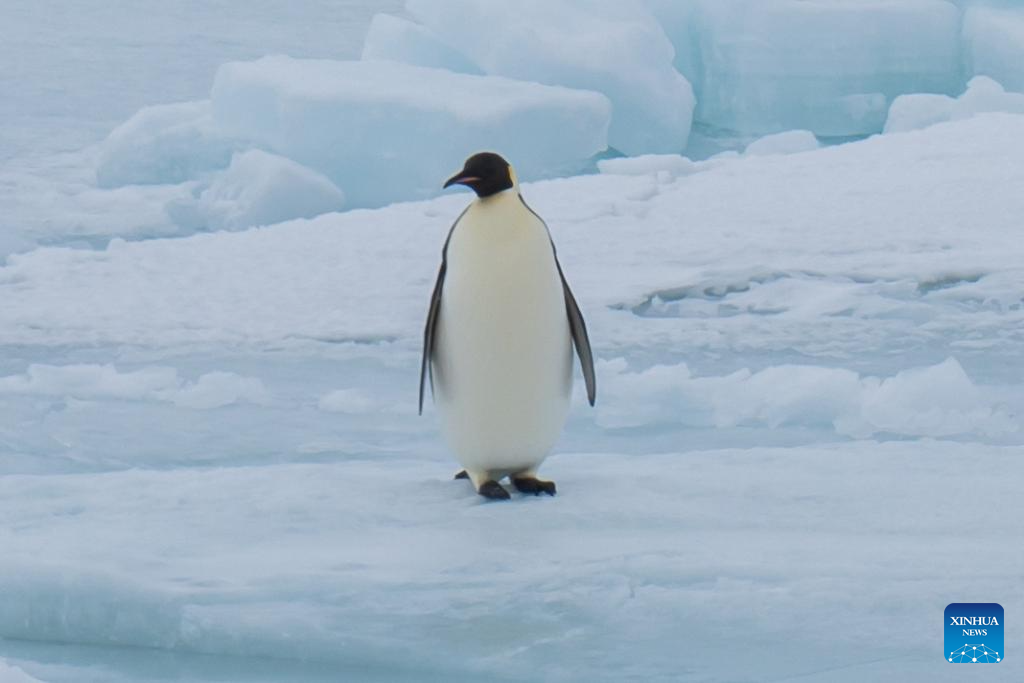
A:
486	173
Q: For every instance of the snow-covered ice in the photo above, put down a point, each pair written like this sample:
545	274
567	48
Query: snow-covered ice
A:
809	429
384	131
670	165
787	549
91	382
209	444
939	400
12	674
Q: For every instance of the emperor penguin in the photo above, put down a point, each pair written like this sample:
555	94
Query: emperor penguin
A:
499	338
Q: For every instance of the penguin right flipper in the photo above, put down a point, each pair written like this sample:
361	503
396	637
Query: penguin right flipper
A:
430	328
428	332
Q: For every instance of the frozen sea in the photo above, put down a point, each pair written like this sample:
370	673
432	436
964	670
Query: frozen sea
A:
809	435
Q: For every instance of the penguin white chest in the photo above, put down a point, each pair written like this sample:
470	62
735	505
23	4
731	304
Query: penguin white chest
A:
503	368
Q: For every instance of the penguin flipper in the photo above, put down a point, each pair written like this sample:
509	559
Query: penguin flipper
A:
430	329
578	329
429	332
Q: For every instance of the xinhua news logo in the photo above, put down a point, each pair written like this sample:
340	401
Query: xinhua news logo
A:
974	633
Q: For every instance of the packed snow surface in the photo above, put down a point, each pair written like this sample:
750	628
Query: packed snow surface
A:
662	165
808	431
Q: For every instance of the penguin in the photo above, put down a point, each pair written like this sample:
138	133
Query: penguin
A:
499	337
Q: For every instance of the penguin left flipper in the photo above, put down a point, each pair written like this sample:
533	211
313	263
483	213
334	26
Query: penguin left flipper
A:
577	328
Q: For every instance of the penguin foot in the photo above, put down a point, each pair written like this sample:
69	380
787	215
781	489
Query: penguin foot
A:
461	474
493	490
533	485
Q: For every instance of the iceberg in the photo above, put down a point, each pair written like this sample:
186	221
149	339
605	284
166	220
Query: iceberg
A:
386	132
167	143
618	49
258	188
994	44
828	67
395	39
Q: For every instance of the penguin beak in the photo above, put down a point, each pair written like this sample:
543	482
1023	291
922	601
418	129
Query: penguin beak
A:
460	179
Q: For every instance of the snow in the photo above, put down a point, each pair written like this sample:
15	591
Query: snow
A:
396	39
910	112
616	49
258	188
97	382
994	43
828	67
672	165
937	401
790	142
383	131
351	401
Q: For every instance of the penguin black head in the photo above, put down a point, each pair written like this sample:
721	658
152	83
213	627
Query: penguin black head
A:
486	173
